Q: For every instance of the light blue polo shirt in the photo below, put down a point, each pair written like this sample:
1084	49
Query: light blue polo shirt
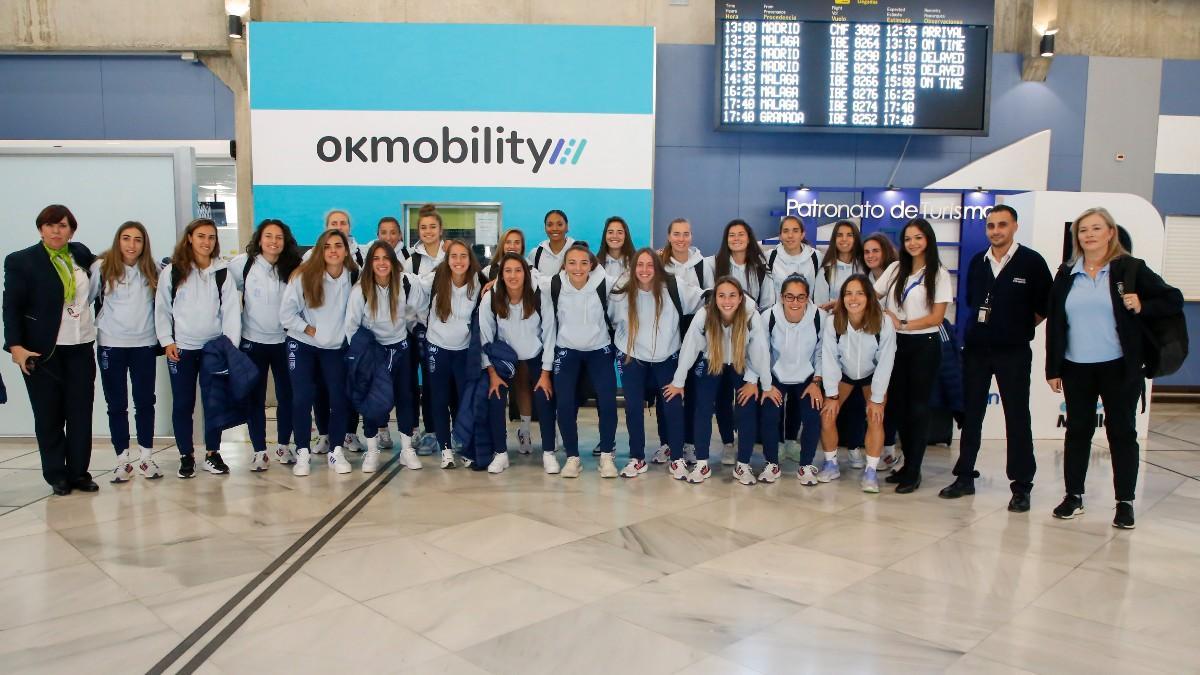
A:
1091	324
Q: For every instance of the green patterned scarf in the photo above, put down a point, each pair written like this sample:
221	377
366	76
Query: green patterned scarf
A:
64	264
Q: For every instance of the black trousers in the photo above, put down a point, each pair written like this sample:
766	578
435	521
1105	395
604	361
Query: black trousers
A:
1083	384
61	390
918	358
1012	367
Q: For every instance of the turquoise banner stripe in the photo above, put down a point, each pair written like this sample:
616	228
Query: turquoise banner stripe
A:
501	68
303	207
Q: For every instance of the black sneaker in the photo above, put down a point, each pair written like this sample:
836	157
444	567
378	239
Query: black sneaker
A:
959	488
214	464
1019	502
187	466
1070	507
1124	517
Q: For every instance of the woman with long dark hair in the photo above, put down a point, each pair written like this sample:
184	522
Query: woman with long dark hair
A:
515	312
915	291
858	352
843	258
453	292
124	280
647	338
313	311
383	303
741	258
196	302
261	274
616	249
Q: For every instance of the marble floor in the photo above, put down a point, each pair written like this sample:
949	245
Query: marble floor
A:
459	572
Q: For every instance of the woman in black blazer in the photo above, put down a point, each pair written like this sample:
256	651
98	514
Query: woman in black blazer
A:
1094	351
50	331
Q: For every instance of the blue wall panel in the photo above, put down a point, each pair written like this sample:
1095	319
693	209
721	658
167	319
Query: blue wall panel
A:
1180	88
111	98
158	98
52	97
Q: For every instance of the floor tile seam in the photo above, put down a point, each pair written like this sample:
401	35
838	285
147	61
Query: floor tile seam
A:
130	597
575	604
806	549
876	620
610	619
234	610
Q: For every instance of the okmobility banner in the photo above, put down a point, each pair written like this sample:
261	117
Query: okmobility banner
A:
368	117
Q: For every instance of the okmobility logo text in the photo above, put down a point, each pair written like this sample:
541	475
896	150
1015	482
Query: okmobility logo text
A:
487	146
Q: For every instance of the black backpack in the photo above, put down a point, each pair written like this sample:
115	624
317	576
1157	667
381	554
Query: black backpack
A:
601	290
816	323
1164	338
775	253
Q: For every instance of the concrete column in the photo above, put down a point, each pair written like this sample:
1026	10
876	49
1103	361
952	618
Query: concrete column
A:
231	69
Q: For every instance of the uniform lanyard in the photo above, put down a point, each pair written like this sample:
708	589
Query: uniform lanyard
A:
908	289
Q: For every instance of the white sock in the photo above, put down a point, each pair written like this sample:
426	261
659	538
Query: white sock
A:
147	453
831	456
872	462
373	444
525	420
405	442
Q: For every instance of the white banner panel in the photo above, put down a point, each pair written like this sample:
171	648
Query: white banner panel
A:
436	148
1178	144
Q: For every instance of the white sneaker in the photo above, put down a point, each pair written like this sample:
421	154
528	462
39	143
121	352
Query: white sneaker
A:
260	462
689	453
321	446
662	455
807	475
678	469
892	459
744	473
524	442
354	443
634	468
499	463
147	467
285	455
337	460
124	469
448	461
728	455
608	467
770	473
572	467
550	462
830	471
301	468
370	461
857	459
384	439
410	460
700	473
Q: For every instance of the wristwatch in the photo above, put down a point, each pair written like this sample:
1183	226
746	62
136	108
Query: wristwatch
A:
903	324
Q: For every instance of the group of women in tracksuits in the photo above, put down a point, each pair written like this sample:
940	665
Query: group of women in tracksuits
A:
777	347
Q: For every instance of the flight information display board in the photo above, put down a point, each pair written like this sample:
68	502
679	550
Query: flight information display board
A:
897	66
